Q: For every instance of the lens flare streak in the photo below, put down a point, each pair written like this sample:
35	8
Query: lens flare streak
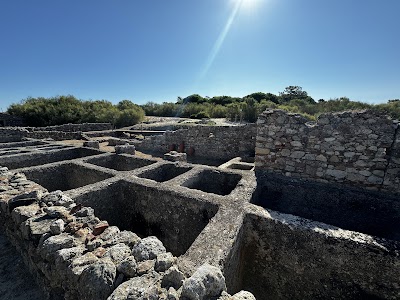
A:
218	43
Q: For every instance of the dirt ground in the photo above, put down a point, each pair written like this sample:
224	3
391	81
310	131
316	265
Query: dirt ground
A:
16	283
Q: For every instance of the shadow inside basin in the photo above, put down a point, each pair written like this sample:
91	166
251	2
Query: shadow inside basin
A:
120	162
65	176
371	212
175	219
164	172
213	181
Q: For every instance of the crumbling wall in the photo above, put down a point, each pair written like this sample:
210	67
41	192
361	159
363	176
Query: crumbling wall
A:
214	142
12	134
359	148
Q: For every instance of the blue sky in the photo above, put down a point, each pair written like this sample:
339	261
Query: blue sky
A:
157	50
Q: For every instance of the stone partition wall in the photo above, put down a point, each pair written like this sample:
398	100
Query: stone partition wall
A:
359	148
213	142
12	134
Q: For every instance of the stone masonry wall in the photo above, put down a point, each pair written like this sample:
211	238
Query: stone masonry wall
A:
76	127
12	134
55	135
72	254
360	148
214	142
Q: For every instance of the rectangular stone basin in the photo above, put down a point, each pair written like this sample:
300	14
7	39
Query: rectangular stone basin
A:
120	162
371	212
213	181
41	158
280	257
175	219
65	176
164	172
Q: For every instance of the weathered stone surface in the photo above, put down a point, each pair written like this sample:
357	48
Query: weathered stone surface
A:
96	281
144	267
173	277
100	227
55	243
148	248
126	237
139	288
57	198
128	149
118	253
164	261
175	156
57	226
128	266
205	283
92	144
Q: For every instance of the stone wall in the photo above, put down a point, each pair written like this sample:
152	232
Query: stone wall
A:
12	134
73	254
76	127
55	135
213	142
10	120
360	148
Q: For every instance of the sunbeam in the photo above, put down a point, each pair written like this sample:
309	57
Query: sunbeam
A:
218	43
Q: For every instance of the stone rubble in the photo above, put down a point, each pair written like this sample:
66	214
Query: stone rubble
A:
73	253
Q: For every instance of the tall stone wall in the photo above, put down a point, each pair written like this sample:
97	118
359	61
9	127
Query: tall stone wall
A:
360	148
214	142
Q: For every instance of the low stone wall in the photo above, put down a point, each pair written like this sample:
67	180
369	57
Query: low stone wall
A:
55	135
213	142
12	134
76	127
75	255
360	148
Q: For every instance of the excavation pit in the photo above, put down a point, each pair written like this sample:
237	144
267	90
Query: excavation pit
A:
40	158
120	162
65	176
175	219
213	181
164	172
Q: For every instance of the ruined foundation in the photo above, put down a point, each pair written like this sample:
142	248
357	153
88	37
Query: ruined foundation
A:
299	226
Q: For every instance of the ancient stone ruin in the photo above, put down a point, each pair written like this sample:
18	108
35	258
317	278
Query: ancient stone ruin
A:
314	215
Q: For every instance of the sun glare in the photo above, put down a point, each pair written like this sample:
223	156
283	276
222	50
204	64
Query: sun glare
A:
248	4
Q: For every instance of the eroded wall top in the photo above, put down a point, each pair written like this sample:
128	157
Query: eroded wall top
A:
360	148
